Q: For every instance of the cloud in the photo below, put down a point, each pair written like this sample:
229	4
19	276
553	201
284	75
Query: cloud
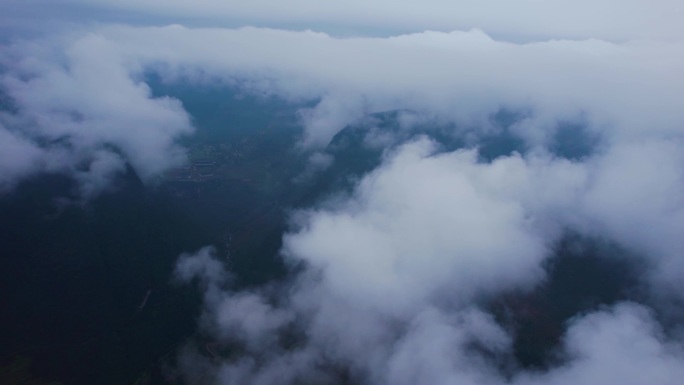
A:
417	225
622	345
345	338
397	273
84	91
207	270
348	343
459	76
81	113
524	19
18	157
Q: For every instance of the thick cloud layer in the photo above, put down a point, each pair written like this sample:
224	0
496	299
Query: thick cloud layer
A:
513	19
462	76
394	277
80	94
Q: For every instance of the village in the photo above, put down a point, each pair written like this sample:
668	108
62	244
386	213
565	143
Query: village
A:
204	161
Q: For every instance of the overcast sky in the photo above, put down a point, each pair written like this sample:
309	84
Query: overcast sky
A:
394	269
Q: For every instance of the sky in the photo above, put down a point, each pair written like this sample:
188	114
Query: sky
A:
396	270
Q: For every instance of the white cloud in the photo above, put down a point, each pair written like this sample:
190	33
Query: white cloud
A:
84	104
624	345
515	19
418	226
395	271
394	274
86	88
435	350
627	88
